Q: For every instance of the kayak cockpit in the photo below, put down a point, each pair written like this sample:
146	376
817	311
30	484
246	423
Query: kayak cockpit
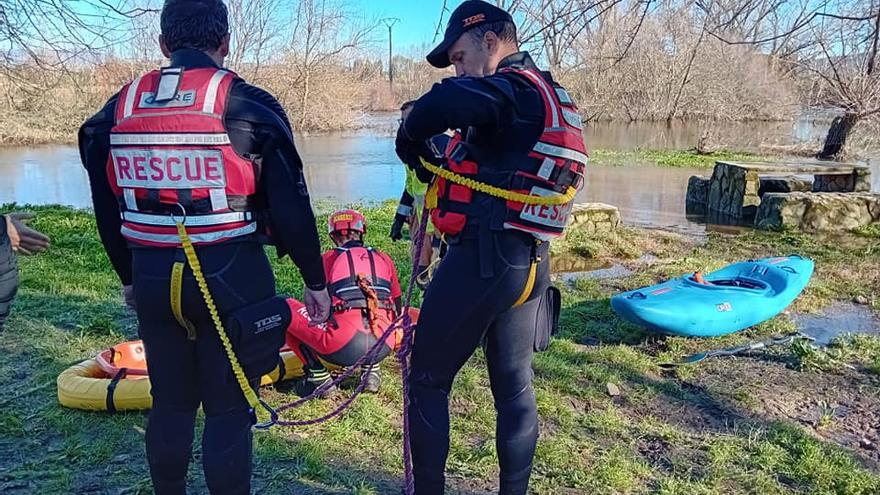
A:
746	284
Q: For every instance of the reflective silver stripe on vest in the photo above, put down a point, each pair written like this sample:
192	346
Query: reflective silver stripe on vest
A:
547	167
215	139
549	149
573	119
542	85
130	96
173	239
564	98
213	88
404	210
191	221
130	199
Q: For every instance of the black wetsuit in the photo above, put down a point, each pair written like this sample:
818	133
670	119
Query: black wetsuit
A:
483	274
8	273
185	373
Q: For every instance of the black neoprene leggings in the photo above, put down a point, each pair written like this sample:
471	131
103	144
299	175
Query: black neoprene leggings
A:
186	373
459	310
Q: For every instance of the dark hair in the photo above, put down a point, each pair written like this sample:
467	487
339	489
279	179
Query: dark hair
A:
199	24
407	104
505	30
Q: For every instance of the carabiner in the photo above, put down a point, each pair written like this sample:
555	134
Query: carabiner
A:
183	212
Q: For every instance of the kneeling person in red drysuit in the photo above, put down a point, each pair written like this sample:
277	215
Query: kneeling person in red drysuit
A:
366	300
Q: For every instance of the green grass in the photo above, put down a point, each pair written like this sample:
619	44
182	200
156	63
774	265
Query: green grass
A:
675	433
668	158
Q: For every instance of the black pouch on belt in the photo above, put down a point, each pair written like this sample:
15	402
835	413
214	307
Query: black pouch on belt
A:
547	318
257	334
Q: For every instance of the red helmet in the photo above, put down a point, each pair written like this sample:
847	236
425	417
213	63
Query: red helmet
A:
351	220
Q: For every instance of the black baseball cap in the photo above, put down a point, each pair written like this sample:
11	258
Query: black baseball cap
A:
468	15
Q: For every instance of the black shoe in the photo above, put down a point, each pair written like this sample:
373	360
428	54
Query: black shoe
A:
372	379
313	380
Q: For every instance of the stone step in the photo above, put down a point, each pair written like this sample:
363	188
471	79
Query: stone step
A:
593	217
818	212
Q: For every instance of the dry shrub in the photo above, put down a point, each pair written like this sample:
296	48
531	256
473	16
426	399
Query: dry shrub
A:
672	69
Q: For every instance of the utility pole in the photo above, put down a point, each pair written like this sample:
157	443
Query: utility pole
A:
390	22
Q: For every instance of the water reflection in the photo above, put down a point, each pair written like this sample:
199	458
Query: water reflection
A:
362	167
43	175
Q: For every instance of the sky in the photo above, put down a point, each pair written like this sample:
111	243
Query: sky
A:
418	18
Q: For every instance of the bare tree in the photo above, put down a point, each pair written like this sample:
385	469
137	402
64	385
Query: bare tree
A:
832	45
671	70
256	28
325	35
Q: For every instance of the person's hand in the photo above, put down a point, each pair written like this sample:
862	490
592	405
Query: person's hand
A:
317	305
128	296
397	227
24	239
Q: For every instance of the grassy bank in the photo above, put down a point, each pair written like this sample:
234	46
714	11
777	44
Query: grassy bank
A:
769	423
669	158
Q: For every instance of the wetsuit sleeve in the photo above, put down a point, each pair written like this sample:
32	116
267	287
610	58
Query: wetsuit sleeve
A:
406	199
292	218
258	123
459	103
94	150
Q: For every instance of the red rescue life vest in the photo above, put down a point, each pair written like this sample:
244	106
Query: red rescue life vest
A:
171	160
342	278
555	163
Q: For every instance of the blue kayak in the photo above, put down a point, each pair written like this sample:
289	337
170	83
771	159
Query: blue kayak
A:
736	297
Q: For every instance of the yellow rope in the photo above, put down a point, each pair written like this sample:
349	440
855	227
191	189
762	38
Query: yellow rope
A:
556	199
530	285
196	268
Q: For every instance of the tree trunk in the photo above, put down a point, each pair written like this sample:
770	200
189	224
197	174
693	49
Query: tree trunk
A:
835	141
304	103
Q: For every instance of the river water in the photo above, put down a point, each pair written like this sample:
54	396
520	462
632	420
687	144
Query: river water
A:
362	167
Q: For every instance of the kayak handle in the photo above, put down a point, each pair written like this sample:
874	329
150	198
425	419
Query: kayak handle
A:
789	269
637	295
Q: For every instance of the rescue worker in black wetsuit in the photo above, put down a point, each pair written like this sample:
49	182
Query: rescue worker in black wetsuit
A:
194	143
522	133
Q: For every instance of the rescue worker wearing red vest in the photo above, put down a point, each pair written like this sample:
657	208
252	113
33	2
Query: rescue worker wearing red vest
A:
366	294
519	132
193	143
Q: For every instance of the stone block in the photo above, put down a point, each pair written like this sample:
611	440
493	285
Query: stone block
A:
784	185
697	198
834	183
593	217
818	212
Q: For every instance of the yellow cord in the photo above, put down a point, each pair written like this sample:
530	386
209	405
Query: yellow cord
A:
556	199
196	268
530	285
176	303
